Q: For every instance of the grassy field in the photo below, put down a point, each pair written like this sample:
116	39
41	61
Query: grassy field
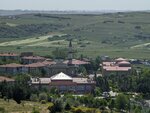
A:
115	35
24	107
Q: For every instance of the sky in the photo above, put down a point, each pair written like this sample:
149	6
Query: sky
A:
90	5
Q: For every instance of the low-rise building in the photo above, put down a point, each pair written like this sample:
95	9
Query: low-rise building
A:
64	83
32	59
9	56
12	69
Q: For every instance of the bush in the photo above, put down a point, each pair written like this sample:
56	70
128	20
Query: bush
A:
42	96
2	110
51	108
34	98
43	102
67	107
35	110
83	110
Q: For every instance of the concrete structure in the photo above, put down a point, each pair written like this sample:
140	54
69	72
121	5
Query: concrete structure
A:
64	83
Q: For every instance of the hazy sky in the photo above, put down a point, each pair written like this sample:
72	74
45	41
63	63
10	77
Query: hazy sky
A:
76	4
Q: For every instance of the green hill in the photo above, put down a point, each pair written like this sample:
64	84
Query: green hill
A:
116	34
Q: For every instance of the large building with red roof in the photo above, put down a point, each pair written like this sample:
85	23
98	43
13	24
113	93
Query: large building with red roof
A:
120	66
64	83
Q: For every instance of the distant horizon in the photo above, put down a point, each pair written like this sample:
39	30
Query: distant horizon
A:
76	5
74	10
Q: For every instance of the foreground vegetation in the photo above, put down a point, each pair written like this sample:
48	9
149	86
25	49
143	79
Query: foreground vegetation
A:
132	93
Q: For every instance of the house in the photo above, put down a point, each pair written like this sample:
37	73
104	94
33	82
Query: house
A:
64	83
118	67
9	56
12	68
32	59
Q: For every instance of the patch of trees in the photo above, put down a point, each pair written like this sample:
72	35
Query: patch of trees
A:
57	37
108	21
106	42
20	90
143	83
52	16
27	30
138	27
142	36
121	22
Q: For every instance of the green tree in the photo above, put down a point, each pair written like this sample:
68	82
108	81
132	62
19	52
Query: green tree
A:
122	102
111	104
60	53
67	106
21	89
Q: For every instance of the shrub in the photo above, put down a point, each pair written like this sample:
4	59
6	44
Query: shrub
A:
34	98
35	110
2	110
43	102
67	107
42	96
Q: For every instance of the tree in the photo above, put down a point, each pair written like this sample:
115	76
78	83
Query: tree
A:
111	104
18	93
58	105
21	89
122	102
67	107
102	83
60	53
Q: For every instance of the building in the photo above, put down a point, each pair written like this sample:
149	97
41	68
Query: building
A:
12	68
37	64
32	59
76	62
118	67
9	56
64	83
39	67
23	54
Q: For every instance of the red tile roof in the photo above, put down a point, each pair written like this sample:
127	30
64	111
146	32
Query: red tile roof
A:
123	62
13	65
8	54
40	64
120	59
76	62
116	68
34	58
2	78
108	63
